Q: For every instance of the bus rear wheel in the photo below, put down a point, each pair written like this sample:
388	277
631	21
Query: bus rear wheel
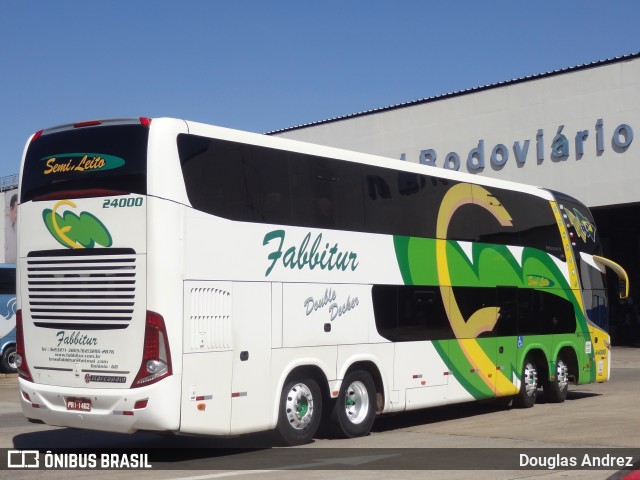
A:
355	408
8	360
555	391
299	412
526	397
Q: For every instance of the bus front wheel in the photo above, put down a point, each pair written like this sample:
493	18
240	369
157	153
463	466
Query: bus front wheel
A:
526	397
300	411
355	409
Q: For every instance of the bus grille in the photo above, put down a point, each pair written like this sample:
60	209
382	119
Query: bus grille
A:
90	289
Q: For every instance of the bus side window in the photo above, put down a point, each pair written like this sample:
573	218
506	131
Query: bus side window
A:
8	281
409	313
506	324
385	310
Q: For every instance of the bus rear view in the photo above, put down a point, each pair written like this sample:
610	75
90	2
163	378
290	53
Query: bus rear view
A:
95	355
176	276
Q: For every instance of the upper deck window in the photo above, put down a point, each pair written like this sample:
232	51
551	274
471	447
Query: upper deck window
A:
251	183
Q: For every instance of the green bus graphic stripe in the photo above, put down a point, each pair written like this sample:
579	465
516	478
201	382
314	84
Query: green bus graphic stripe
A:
491	266
453	356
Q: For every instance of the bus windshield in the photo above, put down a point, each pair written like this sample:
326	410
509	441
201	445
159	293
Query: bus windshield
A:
99	158
585	240
585	237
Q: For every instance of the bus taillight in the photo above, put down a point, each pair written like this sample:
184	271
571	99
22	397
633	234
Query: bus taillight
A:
90	123
156	357
21	357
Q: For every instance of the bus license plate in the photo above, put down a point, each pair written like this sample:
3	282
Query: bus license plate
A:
79	404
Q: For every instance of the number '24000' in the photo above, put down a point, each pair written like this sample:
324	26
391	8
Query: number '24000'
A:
123	202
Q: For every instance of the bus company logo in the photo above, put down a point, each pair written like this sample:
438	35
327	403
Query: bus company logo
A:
308	254
539	281
584	228
80	162
104	379
23	459
75	231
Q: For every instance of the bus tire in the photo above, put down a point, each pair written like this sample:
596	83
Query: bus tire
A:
8	360
299	412
555	391
355	408
526	397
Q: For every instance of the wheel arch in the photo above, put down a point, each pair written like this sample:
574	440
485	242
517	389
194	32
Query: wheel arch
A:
542	362
570	356
308	371
302	371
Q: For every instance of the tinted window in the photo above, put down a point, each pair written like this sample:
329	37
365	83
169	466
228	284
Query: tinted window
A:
235	181
412	313
325	193
401	203
89	158
532	224
251	183
542	313
8	281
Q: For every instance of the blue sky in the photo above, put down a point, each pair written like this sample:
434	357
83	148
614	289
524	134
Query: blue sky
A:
266	65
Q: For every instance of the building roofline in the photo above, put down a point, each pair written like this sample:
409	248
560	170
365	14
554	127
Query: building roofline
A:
467	91
10	182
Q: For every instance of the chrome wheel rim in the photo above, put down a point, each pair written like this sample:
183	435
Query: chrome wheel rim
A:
356	403
299	406
11	360
562	374
530	379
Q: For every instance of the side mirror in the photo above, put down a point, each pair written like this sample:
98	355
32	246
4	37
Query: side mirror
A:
623	278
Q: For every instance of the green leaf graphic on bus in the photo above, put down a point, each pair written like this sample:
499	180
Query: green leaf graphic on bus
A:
455	267
75	231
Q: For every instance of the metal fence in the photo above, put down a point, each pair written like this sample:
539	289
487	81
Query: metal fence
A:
9	182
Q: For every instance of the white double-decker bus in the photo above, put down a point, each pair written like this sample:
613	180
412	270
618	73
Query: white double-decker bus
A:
175	276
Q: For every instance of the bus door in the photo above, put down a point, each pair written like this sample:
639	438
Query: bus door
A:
207	358
476	342
251	362
419	368
226	360
488	339
509	345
